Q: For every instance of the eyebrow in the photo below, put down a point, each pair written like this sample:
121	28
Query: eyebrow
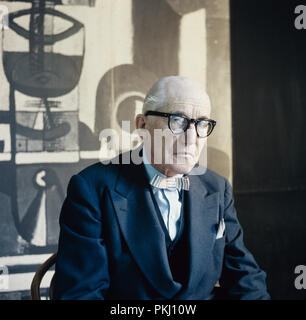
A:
184	114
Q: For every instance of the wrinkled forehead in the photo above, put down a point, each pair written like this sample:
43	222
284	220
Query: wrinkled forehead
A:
189	108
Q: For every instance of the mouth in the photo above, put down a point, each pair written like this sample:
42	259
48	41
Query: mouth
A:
185	154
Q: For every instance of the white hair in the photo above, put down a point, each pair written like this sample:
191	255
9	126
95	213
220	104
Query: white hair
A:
152	103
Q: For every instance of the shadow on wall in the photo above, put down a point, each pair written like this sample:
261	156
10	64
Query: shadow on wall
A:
119	92
219	161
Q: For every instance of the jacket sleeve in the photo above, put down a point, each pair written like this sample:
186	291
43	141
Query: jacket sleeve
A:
81	270
241	276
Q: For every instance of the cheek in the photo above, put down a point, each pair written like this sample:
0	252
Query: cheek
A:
150	125
179	141
200	146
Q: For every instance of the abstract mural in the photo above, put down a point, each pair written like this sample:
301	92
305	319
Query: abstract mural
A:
40	127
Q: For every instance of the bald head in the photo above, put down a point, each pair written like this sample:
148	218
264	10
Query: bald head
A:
175	90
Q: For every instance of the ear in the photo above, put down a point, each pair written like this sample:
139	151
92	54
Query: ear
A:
140	121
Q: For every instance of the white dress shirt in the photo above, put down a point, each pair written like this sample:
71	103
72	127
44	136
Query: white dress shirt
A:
168	201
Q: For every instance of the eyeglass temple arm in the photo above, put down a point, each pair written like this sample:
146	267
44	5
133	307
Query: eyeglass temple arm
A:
157	113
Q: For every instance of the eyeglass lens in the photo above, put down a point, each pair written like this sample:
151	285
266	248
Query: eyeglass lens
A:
179	125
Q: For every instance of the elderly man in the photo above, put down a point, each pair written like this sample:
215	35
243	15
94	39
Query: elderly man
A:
163	229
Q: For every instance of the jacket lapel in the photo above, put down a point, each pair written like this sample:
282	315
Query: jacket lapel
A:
202	215
141	229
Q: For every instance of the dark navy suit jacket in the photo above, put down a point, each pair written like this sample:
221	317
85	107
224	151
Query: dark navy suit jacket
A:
112	246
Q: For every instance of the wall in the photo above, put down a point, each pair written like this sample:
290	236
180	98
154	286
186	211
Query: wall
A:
269	150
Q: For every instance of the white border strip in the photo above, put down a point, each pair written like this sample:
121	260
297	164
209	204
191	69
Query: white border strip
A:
5	156
25	259
47	157
22	281
94	154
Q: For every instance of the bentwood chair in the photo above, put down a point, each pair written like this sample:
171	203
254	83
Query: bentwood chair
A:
35	286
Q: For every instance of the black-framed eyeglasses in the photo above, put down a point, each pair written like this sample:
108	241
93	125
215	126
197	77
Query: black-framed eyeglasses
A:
178	123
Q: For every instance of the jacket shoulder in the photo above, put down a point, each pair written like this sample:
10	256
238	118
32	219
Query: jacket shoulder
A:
214	181
99	174
102	173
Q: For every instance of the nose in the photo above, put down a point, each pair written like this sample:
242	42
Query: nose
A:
191	135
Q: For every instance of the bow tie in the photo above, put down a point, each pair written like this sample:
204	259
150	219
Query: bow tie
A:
170	183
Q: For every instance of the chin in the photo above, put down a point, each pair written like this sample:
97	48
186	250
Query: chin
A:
181	165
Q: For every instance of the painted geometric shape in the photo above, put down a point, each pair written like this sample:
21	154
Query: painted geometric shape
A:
63	136
5	142
39	193
38	72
